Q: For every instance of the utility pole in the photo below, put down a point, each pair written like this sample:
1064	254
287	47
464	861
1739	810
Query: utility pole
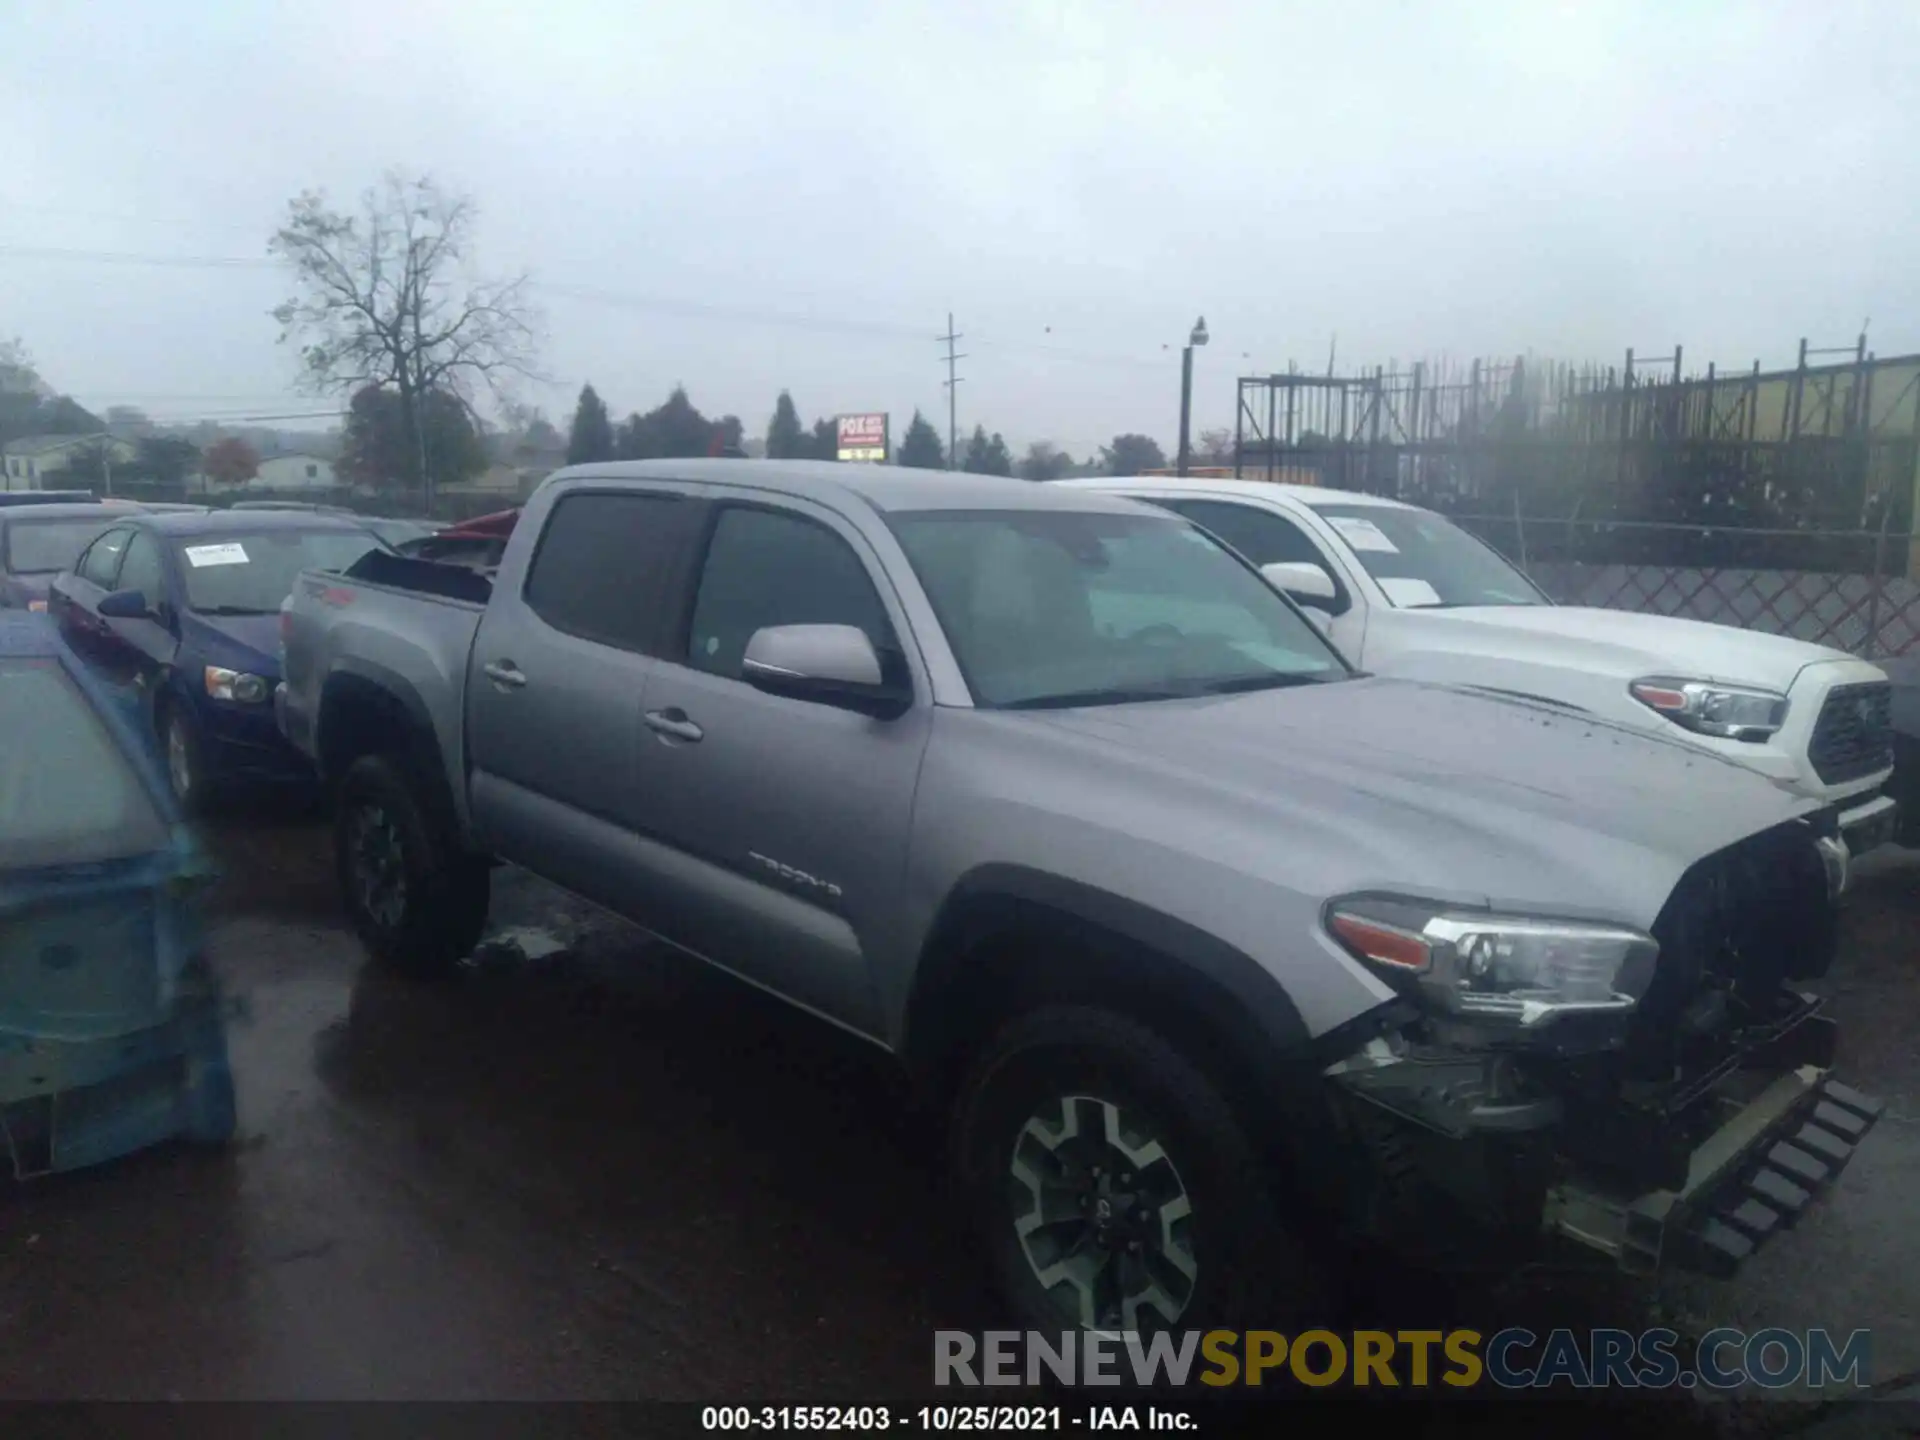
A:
953	387
1198	337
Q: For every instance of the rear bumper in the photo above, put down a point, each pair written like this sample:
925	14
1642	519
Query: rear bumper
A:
1749	1180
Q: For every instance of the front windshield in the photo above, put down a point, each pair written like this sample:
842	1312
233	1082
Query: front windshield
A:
37	546
243	573
1423	561
1045	608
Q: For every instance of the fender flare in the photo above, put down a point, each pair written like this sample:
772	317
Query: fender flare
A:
1259	996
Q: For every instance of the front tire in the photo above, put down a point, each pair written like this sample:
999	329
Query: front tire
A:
185	752
1114	1187
417	898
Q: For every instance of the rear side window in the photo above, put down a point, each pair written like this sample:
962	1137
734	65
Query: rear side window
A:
68	794
603	563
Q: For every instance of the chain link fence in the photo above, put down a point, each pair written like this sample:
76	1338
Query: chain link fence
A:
1844	588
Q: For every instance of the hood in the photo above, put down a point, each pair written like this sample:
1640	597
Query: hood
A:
1621	644
238	642
1393	783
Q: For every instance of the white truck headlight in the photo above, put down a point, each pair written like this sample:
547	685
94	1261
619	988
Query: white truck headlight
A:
1506	969
1707	707
235	685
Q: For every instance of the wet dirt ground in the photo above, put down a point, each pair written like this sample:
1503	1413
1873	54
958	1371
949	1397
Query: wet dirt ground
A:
589	1169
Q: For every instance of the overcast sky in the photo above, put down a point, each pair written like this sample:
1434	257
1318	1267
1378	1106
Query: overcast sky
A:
794	195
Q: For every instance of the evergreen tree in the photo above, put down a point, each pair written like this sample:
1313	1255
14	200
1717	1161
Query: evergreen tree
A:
921	448
786	438
592	435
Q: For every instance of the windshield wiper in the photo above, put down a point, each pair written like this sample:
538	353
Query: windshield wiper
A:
1231	685
232	610
1072	698
1278	680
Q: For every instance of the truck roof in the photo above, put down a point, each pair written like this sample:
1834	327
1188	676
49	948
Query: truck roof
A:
1253	489
884	487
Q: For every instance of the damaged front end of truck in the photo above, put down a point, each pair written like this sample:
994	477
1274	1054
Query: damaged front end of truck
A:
1664	1097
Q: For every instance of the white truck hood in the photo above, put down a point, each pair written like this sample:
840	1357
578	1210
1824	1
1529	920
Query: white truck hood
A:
1618	644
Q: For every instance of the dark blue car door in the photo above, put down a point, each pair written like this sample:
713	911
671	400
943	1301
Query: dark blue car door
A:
144	648
74	597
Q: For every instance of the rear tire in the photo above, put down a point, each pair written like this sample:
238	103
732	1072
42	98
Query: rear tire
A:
417	898
1114	1187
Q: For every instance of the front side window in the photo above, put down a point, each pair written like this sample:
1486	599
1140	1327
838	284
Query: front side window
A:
102	560
765	567
141	571
250	573
68	794
1057	609
1423	561
36	547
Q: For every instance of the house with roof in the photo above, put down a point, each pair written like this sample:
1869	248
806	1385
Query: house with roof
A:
39	462
295	470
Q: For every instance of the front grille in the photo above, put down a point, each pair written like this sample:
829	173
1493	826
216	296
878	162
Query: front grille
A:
1854	734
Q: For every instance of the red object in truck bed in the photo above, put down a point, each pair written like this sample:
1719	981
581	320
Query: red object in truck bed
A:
496	526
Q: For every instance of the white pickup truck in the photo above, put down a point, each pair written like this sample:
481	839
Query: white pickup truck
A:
1406	592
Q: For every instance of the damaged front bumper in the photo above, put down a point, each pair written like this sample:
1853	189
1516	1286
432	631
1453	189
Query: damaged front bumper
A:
1747	1181
1695	1175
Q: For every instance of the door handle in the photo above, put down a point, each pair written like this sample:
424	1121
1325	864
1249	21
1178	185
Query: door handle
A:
504	672
674	723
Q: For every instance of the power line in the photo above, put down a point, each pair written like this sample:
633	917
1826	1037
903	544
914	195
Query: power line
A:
121	257
953	389
665	305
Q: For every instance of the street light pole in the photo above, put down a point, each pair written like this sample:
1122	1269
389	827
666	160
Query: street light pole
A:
1198	337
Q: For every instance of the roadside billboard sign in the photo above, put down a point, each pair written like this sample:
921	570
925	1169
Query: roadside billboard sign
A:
862	437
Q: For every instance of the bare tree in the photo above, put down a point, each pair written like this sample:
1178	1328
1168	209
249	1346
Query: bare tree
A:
1215	447
386	297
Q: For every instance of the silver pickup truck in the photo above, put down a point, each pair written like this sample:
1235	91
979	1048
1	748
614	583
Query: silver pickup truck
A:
1199	938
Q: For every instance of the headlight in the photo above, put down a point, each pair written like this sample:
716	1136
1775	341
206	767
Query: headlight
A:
1732	712
1509	969
235	685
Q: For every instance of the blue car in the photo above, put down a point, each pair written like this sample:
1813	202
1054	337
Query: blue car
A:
181	613
112	1028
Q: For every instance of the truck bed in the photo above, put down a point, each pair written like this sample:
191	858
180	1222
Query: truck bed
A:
404	625
423	577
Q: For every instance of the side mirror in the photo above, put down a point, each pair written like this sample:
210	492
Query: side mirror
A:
124	605
829	664
1306	582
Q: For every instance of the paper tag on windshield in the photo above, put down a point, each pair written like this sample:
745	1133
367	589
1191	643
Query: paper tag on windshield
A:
1409	594
1362	534
232	553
